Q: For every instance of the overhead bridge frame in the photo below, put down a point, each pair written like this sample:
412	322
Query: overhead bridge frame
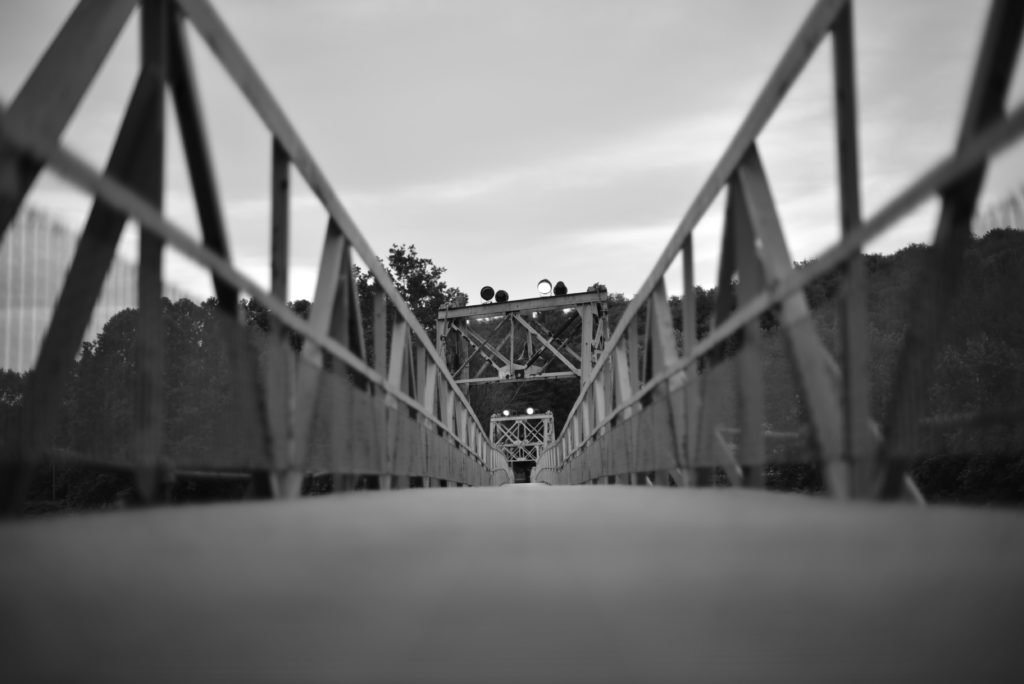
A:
523	436
527	350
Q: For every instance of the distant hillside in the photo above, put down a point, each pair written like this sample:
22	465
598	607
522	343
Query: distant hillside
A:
979	371
982	358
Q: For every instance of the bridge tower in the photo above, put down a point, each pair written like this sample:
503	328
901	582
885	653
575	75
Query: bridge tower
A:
557	337
522	437
510	342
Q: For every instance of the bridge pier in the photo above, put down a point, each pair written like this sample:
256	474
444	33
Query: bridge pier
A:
286	484
682	477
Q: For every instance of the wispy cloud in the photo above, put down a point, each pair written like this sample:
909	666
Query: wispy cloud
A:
565	136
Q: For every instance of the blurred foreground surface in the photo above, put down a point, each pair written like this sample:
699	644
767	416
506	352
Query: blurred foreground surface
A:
522	583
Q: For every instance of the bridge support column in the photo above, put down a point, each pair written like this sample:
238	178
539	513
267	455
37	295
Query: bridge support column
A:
682	477
286	484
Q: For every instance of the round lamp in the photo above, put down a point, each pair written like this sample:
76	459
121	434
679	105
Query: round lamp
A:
486	293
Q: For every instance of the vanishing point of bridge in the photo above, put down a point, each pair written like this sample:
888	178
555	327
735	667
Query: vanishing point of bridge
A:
678	577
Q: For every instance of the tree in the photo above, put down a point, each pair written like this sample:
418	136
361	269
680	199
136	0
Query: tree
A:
257	316
12	392
419	282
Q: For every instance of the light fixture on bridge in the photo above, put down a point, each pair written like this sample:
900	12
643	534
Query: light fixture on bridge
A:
544	287
486	293
506	412
529	411
501	296
560	289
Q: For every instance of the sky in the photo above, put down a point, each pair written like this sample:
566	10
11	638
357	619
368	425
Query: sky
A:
514	140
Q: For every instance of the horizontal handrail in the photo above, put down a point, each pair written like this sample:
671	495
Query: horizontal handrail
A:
231	56
941	175
800	50
73	169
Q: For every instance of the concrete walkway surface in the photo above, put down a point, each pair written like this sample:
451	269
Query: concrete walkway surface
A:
525	583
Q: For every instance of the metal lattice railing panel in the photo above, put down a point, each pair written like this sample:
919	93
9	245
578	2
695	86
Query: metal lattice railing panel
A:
523	437
419	423
661	411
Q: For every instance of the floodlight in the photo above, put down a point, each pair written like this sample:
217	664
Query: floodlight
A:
529	411
544	287
506	412
486	293
561	289
501	297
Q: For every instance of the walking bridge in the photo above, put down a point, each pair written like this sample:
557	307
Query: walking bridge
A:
675	578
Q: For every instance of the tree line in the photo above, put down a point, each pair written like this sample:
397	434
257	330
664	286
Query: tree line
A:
975	438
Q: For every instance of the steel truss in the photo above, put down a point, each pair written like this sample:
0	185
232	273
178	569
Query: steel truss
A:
523	437
519	348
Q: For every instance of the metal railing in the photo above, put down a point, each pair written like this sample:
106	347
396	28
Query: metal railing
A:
296	407
653	411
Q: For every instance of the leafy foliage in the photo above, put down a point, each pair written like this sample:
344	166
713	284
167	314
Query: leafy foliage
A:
975	397
418	281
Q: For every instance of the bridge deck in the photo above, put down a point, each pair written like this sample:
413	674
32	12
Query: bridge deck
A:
522	583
